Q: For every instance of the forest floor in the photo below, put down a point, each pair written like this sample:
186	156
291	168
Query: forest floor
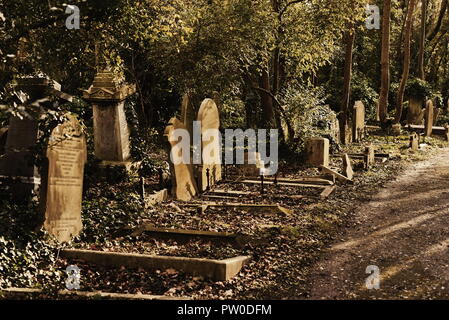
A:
404	231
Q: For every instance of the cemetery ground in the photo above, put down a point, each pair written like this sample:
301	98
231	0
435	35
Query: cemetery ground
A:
285	246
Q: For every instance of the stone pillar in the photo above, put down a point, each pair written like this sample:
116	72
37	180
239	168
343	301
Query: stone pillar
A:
317	150
111	132
17	168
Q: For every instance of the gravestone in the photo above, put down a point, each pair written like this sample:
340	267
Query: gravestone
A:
111	132
369	156
415	113
358	122
347	167
209	117
428	119
414	141
188	113
62	185
446	132
16	165
184	186
317	152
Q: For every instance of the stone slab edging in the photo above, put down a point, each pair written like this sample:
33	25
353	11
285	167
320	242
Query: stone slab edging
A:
218	270
87	294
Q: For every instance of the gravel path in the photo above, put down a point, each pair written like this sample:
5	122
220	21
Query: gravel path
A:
404	231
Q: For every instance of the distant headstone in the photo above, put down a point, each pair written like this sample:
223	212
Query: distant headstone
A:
369	156
414	114
209	117
184	186
358	122
347	167
428	119
317	152
414	141
111	132
62	187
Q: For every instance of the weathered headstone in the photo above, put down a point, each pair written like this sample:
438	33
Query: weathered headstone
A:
415	113
414	141
369	156
188	113
184	186
347	167
210	168
62	187
446	132
317	152
111	132
358	122
428	119
17	164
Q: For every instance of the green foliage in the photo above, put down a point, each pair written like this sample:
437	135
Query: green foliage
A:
362	90
308	115
418	89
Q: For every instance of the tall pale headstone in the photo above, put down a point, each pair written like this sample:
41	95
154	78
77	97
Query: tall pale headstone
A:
111	131
62	188
347	167
358	122
209	117
188	113
317	152
428	119
183	182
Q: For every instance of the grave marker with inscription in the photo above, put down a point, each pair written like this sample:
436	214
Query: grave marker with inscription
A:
210	168
62	188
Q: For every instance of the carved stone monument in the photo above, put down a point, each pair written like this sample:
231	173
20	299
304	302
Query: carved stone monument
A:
317	152
62	187
111	132
184	186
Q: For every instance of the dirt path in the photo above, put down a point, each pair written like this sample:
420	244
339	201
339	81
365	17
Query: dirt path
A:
404	231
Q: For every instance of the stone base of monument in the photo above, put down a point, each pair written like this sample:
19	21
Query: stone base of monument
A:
218	270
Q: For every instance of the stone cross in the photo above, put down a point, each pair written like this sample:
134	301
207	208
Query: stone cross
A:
111	132
62	187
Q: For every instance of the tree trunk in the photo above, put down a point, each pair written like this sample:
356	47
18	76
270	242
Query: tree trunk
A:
350	38
422	42
406	69
385	62
437	28
266	100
